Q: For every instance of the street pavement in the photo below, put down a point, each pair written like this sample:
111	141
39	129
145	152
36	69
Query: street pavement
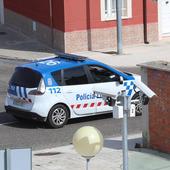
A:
18	46
37	135
110	157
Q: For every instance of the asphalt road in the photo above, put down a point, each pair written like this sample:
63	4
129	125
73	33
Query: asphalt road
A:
36	135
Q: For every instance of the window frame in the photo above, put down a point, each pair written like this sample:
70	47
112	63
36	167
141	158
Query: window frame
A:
111	16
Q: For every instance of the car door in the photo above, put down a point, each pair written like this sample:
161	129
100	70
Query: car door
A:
77	92
103	77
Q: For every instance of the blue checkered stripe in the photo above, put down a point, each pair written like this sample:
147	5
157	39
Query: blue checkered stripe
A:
129	86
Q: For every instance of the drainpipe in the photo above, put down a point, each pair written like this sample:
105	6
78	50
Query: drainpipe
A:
51	22
89	40
145	22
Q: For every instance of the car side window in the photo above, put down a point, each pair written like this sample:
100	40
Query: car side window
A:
101	75
75	76
57	77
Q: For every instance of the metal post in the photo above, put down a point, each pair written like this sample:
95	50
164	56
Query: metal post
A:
1	11
87	164
119	25
126	111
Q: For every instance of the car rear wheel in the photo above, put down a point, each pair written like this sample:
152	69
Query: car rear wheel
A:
58	116
138	104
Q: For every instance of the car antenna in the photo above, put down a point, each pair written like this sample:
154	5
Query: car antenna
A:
36	62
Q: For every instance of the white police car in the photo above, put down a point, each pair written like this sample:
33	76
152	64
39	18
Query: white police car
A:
59	88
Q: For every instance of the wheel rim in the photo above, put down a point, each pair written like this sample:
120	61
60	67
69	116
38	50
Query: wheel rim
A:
138	106
59	116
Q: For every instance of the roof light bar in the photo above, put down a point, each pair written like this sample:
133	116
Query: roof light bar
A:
72	57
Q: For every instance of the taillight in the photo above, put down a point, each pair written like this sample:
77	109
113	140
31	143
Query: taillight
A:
40	90
35	92
41	87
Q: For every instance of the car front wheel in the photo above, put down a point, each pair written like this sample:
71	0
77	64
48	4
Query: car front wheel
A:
58	116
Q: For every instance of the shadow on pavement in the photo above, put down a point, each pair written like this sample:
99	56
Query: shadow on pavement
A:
27	124
90	118
14	40
139	152
6	118
117	144
33	124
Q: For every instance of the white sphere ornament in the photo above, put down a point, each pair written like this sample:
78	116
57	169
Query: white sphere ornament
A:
88	141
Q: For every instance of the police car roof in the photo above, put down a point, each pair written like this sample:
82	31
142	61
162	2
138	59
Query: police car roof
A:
62	61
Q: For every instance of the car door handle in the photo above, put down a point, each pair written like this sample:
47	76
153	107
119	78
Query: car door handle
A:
69	92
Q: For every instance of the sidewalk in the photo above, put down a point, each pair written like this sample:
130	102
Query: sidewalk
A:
18	46
133	55
110	157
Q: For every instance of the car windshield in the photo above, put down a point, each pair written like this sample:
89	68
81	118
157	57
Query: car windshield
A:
25	77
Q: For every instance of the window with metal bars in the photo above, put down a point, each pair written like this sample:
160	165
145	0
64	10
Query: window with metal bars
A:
108	9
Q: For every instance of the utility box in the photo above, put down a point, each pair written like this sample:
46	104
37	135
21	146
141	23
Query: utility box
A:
2	159
16	159
118	111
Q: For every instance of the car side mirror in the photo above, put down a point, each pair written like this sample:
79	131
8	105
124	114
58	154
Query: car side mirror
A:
145	99
120	79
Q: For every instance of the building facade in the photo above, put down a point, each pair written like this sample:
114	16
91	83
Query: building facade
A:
80	25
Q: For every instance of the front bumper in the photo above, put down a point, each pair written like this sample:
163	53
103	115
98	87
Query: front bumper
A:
24	114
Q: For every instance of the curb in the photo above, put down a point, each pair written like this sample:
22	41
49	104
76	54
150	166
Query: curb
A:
13	58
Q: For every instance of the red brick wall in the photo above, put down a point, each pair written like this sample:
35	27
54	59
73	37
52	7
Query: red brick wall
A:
75	15
34	9
159	110
85	14
39	10
152	11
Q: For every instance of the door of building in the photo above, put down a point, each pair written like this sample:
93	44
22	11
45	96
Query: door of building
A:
1	11
164	17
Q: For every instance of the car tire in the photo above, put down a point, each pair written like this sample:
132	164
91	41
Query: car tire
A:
58	116
138	104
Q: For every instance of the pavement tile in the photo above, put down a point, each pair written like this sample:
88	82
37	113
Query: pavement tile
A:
148	160
109	158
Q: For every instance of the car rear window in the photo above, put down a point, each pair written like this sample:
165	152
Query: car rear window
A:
25	77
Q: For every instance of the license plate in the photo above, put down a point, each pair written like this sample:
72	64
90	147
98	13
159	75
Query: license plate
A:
18	102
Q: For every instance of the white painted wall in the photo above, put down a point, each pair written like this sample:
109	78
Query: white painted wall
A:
164	17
